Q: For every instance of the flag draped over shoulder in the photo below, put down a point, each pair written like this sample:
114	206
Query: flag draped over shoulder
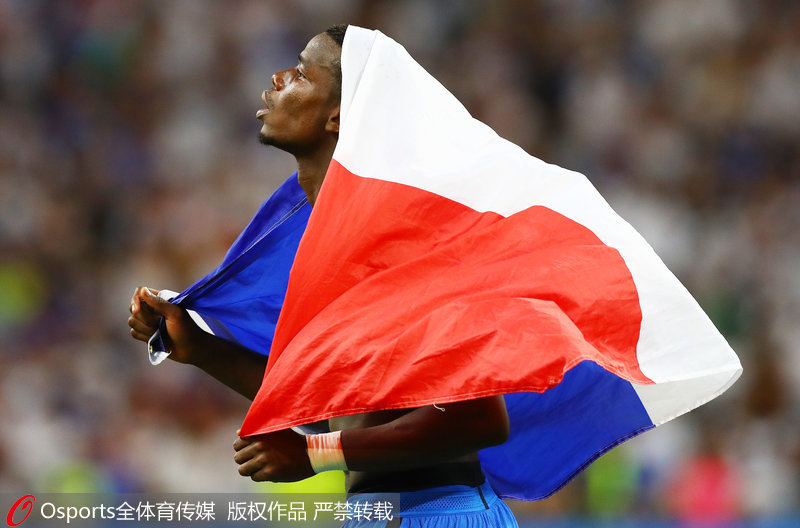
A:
241	299
442	263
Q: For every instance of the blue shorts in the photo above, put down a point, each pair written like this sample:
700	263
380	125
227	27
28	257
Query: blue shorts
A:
443	507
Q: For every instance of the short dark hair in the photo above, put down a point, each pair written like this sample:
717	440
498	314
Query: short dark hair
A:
336	33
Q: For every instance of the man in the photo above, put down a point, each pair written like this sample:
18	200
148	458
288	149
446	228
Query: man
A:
401	450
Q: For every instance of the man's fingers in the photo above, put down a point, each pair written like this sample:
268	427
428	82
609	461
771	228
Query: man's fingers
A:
143	320
241	443
138	295
262	476
244	455
142	291
147	301
147	316
141	326
248	468
140	336
255	465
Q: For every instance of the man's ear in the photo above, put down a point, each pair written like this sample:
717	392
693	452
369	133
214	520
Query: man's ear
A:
333	121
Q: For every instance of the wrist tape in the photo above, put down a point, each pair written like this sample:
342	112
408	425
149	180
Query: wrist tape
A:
325	451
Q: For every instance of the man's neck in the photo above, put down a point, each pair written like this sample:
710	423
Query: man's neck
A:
311	171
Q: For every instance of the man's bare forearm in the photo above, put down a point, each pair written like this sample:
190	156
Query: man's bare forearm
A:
427	436
235	366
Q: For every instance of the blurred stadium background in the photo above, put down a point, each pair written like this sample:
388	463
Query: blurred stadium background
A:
128	155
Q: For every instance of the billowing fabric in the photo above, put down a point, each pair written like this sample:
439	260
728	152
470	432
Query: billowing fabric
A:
241	299
442	263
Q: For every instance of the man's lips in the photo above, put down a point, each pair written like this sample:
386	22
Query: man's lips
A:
268	101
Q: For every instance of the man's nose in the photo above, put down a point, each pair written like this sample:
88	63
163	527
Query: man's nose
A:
279	79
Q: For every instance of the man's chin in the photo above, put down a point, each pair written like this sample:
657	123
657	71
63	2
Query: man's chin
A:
265	139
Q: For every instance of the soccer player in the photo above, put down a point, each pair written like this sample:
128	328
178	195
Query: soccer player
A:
430	450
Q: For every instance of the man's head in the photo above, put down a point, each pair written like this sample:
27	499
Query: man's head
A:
302	107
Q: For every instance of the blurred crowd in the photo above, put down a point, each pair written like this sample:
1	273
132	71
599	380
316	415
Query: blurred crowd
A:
129	156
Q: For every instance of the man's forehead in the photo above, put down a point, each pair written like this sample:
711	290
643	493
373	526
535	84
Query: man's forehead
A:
320	50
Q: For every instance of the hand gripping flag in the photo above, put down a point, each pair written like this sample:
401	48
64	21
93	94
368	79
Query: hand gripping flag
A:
442	263
241	299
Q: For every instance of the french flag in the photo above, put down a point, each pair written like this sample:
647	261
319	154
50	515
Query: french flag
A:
442	263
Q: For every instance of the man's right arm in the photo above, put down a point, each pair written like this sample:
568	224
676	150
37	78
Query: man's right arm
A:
234	365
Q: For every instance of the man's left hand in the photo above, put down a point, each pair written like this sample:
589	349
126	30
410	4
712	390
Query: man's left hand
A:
278	457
